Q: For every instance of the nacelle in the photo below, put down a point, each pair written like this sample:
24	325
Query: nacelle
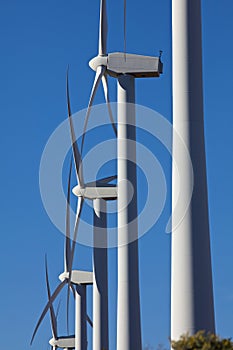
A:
107	192
78	277
63	342
139	66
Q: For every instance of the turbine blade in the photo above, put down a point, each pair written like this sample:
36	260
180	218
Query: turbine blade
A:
78	214
99	182
58	309
47	306
89	321
79	211
67	305
98	76
103	29
67	241
73	290
108	179
76	153
51	309
105	87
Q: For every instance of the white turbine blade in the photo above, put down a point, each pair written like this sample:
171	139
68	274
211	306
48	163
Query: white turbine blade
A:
44	312
71	257
67	240
99	74
103	29
70	288
79	211
78	214
73	290
105	87
67	304
51	309
76	153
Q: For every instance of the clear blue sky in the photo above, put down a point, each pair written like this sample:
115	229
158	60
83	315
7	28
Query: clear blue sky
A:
38	40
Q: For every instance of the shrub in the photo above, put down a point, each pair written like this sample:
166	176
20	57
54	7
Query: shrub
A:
202	340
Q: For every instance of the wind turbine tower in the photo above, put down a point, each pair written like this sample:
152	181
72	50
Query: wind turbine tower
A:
192	306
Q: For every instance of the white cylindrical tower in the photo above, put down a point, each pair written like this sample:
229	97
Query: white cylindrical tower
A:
192	307
100	277
128	316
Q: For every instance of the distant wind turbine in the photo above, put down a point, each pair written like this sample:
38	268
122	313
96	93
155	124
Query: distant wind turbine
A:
62	342
77	281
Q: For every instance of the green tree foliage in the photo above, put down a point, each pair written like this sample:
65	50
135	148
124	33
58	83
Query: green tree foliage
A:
202	340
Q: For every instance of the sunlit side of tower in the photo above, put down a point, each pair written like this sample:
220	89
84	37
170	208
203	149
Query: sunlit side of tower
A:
192	306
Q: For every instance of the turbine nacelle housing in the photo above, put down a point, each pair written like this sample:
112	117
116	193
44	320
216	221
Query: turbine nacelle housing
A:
63	342
78	277
104	192
139	66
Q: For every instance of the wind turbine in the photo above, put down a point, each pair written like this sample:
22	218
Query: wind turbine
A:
125	67
63	342
70	278
99	192
80	279
192	307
